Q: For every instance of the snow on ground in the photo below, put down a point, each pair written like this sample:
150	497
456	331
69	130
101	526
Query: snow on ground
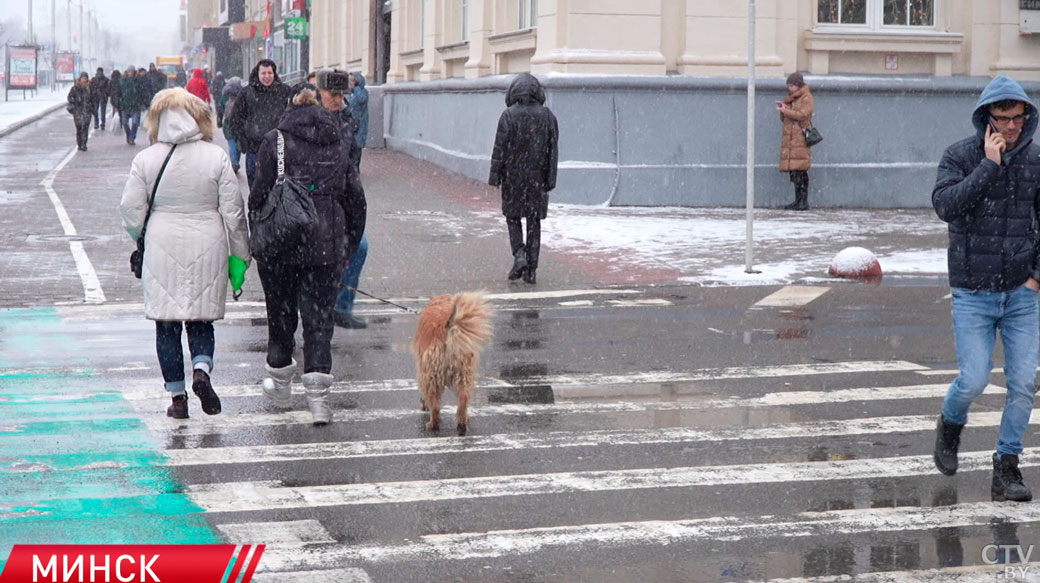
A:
17	109
707	246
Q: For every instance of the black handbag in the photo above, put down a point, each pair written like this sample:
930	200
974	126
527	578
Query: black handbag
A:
287	217
812	136
137	256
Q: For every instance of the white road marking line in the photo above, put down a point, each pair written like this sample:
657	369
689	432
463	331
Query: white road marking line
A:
520	542
295	532
787	398
636	303
875	425
321	576
973	574
93	294
953	371
271	495
792	296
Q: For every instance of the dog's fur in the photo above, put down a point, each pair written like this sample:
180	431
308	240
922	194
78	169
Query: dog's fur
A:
447	344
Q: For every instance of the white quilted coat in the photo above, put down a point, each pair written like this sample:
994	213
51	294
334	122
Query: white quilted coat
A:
197	220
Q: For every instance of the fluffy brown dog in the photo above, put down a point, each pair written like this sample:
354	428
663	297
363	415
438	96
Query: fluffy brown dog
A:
451	331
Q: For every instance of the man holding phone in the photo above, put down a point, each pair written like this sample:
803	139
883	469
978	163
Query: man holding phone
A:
988	190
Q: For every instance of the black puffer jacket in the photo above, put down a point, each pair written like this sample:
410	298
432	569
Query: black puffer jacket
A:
315	155
258	109
992	210
525	155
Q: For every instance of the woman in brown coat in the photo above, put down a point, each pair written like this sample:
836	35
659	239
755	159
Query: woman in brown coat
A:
795	157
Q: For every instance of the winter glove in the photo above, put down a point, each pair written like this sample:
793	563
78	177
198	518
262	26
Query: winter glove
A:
237	273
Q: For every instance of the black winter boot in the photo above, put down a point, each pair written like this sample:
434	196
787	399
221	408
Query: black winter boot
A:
179	408
204	391
947	440
1007	480
519	264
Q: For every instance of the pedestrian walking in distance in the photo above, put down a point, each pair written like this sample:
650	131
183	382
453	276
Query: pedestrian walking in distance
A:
257	111
795	156
132	99
113	96
196	239
228	93
523	163
81	106
99	97
300	281
198	86
988	189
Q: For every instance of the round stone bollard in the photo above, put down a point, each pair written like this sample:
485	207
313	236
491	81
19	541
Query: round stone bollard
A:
855	263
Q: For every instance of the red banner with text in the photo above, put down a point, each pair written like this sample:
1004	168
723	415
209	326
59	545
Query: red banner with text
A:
131	563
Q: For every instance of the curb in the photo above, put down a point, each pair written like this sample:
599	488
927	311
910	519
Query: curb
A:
32	119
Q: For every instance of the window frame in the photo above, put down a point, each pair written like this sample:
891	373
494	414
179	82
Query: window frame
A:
527	14
875	20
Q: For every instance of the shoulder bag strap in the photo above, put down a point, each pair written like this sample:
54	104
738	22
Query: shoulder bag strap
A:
281	154
155	188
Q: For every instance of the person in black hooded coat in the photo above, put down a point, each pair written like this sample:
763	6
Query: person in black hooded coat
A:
257	110
524	163
304	280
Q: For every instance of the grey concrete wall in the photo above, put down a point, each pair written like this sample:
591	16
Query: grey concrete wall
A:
649	141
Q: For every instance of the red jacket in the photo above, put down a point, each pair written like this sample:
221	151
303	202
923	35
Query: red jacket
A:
198	86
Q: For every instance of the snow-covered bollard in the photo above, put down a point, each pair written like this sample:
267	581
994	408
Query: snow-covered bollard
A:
855	263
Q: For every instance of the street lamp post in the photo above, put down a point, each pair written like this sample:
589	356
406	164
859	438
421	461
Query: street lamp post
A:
750	219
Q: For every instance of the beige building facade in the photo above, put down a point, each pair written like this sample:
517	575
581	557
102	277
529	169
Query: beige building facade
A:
424	40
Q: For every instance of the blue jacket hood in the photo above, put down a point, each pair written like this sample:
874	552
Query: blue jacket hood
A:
999	89
359	80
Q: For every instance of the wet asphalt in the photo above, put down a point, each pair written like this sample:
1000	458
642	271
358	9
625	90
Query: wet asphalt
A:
601	448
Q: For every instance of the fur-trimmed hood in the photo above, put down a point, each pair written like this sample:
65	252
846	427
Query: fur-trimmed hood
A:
177	116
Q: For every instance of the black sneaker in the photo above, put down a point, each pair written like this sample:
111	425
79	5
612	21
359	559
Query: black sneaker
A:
348	321
202	388
179	408
529	276
1007	480
947	441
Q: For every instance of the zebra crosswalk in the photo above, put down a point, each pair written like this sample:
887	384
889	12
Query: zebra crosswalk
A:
787	473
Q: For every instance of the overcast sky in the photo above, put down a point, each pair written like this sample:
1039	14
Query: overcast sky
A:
149	27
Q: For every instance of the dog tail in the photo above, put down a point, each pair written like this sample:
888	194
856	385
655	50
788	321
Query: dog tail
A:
470	321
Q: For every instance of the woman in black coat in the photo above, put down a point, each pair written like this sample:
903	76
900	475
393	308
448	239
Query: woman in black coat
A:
303	280
81	106
523	163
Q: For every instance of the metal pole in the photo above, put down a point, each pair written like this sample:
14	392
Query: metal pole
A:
54	45
68	22
82	44
31	41
750	219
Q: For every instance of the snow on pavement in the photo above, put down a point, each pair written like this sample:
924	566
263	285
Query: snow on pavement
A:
17	109
707	245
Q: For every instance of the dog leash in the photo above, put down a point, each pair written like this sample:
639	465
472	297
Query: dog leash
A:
409	310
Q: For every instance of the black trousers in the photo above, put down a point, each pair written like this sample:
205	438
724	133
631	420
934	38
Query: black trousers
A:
201	344
82	131
800	178
534	238
99	112
293	292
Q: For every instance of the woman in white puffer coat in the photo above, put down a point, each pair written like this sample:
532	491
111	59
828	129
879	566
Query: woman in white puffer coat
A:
195	239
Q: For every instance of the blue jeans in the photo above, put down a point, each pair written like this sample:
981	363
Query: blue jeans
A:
201	343
250	167
977	316
130	121
233	153
351	277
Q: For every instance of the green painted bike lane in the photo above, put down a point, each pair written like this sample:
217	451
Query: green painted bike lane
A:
77	466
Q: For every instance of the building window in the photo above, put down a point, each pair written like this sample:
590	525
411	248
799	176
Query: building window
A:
464	20
874	14
528	17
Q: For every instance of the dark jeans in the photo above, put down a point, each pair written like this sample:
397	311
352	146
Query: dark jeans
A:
130	122
534	239
300	291
351	278
99	112
82	131
250	167
201	344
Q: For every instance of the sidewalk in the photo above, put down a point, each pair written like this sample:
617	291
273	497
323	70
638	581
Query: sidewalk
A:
18	112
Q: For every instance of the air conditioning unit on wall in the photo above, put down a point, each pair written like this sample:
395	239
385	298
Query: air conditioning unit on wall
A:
1029	16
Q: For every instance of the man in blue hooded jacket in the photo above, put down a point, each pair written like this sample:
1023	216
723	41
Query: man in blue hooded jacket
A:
988	190
358	101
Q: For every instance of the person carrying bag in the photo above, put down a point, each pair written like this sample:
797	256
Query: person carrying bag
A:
137	256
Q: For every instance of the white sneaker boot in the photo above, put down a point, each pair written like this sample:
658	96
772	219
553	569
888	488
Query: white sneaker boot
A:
278	386
317	386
